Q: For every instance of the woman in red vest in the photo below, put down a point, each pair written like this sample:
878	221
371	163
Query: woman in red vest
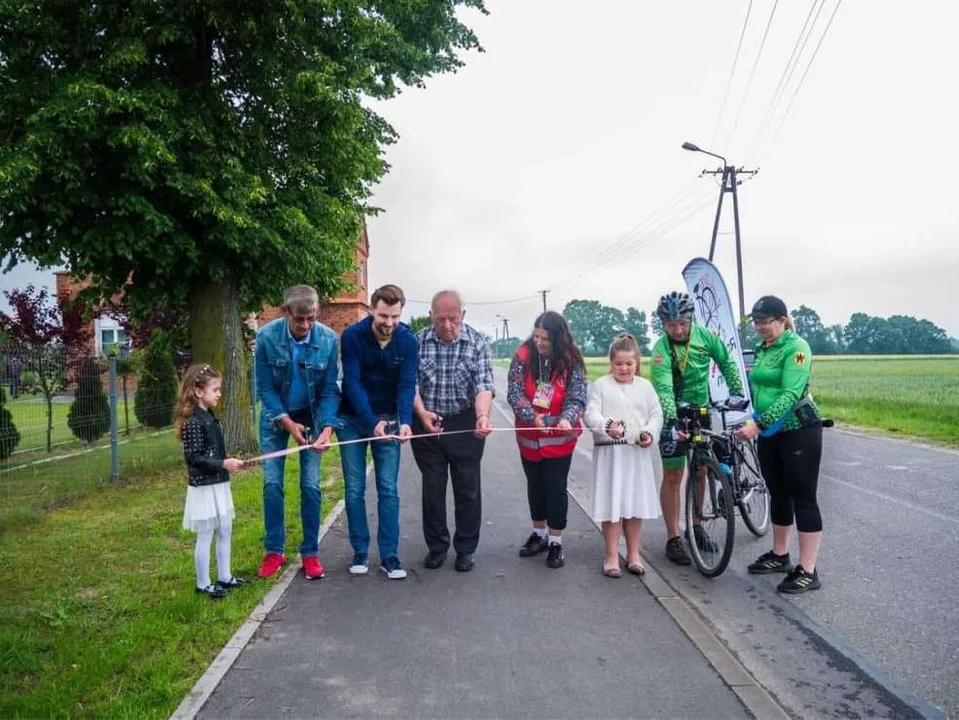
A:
548	393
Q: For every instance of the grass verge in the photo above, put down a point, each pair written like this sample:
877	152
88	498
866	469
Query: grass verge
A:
98	617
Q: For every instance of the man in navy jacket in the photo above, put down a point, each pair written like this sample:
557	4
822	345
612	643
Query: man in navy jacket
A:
380	360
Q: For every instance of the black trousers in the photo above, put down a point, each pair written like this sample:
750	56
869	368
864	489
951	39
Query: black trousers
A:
790	465
546	490
440	459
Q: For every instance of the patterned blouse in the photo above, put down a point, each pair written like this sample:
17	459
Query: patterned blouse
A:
574	402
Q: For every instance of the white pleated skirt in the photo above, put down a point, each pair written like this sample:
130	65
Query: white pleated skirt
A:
208	507
626	481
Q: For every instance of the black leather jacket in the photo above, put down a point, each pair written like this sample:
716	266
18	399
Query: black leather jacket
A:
203	449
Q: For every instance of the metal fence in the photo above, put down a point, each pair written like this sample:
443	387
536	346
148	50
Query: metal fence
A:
69	422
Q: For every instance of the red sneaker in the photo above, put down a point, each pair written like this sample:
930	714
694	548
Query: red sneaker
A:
312	568
271	563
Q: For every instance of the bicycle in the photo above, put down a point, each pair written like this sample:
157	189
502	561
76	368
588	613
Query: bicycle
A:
710	499
740	458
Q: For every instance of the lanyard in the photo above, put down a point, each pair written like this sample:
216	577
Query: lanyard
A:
543	362
682	365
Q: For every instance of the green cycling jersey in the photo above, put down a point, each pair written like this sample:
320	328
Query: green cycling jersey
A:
779	379
688	364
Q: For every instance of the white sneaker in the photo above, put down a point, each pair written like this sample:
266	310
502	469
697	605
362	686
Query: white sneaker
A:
393	569
360	565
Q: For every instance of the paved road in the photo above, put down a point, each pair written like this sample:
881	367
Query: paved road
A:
890	572
510	639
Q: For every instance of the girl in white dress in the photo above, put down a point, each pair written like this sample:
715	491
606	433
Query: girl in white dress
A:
209	502
626	419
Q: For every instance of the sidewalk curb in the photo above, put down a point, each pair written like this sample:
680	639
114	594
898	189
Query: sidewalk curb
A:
204	687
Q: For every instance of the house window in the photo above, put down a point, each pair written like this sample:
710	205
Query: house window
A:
109	334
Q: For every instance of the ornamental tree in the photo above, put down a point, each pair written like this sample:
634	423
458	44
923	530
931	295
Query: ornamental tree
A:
206	154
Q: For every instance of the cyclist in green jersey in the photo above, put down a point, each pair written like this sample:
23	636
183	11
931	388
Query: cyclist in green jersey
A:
789	428
680	361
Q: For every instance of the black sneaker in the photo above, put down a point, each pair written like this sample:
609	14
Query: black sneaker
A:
212	591
770	563
232	583
799	581
534	545
676	552
703	541
555	559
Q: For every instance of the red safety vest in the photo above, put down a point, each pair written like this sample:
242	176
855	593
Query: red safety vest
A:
534	445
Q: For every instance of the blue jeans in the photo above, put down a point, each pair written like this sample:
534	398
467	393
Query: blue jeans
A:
273	437
386	468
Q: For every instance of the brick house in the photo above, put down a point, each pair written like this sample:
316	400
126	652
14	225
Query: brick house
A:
339	312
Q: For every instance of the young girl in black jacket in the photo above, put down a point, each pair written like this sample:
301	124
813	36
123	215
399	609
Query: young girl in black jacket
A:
209	502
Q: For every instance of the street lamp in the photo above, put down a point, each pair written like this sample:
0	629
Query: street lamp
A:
695	148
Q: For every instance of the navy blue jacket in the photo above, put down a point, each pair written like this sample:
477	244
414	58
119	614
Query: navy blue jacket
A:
378	381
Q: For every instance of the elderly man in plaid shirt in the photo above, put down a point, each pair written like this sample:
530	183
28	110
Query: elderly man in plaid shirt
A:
455	392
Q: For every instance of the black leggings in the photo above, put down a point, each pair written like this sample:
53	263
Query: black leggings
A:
790	465
546	490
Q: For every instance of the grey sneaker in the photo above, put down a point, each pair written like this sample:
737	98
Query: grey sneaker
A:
675	551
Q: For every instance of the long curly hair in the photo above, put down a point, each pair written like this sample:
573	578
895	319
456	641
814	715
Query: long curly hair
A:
565	355
196	377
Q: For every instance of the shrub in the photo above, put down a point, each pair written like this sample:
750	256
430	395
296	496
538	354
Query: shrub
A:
9	435
157	385
89	416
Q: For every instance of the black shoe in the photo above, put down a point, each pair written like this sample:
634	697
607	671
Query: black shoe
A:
555	559
703	541
464	562
534	545
799	581
770	563
212	591
435	559
676	552
232	583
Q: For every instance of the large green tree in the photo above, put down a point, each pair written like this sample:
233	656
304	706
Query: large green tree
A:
204	154
593	324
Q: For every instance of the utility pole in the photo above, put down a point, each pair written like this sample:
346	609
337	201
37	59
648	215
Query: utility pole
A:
729	184
544	293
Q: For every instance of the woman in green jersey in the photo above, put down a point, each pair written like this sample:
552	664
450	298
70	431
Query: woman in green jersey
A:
789	429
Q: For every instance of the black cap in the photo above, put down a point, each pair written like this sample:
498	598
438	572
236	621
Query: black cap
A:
769	306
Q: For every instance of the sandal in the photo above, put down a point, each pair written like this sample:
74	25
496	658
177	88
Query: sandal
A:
636	569
612	571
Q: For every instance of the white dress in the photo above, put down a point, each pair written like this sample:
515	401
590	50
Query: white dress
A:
626	477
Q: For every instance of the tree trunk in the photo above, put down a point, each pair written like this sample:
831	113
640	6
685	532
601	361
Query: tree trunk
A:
216	337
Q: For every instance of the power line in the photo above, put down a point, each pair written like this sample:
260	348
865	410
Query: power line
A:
732	72
613	248
483	302
647	239
805	73
752	74
791	64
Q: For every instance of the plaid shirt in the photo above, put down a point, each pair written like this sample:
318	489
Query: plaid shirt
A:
452	374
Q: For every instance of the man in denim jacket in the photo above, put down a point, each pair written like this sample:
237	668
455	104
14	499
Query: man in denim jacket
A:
296	372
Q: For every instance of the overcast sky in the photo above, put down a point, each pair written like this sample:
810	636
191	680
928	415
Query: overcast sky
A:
516	173
543	157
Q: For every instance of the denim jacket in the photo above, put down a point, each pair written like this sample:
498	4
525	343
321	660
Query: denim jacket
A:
274	373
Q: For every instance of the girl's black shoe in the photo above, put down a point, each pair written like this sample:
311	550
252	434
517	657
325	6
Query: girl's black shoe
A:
213	592
232	583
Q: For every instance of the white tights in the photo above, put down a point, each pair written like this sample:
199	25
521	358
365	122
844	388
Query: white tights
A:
201	554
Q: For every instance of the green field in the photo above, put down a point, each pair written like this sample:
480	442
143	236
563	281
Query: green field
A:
98	617
914	396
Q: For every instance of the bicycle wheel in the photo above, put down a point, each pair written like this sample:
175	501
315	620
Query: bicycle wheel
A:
753	499
714	508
